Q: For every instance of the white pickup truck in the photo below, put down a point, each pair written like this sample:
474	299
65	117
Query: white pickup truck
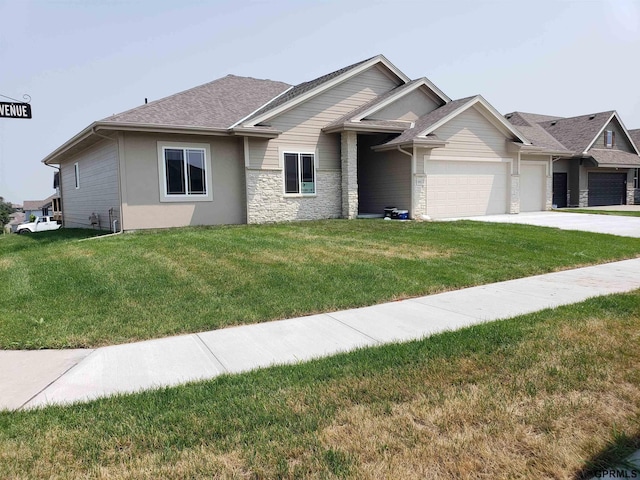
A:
41	224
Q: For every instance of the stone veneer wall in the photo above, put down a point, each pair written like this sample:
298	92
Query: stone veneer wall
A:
267	203
420	196
631	194
514	204
584	198
548	204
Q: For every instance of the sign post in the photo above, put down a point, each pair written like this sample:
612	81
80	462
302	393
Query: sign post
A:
15	110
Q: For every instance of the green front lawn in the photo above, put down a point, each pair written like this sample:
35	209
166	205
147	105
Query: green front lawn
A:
555	394
623	213
57	292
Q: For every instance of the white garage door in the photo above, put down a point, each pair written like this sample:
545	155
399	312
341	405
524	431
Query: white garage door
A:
533	182
461	189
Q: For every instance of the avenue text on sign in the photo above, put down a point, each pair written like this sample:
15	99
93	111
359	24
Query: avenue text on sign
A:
15	110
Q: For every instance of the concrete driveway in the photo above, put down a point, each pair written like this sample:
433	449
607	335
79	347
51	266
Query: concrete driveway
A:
612	224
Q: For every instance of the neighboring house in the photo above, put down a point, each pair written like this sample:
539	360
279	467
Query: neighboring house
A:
16	219
597	159
40	208
349	143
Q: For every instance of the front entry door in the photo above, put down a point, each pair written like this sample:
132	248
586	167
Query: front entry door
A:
560	190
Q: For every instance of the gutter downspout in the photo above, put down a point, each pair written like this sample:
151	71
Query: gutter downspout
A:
413	173
117	142
60	186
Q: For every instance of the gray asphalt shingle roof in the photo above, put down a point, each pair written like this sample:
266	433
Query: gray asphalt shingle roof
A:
635	136
535	133
615	157
576	133
217	104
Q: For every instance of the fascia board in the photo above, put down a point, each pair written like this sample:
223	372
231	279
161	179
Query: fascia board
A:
128	127
411	143
423	82
600	132
255	132
48	160
327	85
469	104
360	127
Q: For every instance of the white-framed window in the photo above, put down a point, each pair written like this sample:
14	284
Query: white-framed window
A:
184	171
609	138
636	178
76	172
299	173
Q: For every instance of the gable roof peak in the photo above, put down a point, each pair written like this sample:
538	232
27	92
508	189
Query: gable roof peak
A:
304	90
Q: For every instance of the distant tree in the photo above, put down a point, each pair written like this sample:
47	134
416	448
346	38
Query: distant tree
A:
5	210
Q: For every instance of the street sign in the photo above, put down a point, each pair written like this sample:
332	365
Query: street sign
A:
15	110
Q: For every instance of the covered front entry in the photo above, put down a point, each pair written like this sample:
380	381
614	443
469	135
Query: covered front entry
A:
384	178
607	188
461	189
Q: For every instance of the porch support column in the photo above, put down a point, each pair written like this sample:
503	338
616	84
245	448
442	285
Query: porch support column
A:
548	204
514	204
349	159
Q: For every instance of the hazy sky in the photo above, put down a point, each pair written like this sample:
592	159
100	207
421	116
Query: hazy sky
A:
81	61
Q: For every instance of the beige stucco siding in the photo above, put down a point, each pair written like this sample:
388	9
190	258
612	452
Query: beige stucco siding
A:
98	185
471	136
142	207
410	107
302	126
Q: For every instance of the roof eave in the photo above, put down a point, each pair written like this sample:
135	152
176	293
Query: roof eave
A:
359	127
83	135
255	132
410	143
52	158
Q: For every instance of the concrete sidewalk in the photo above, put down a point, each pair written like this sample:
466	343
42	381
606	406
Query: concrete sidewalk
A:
609	224
35	378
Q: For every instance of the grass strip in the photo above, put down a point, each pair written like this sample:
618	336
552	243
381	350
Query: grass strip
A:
57	292
555	394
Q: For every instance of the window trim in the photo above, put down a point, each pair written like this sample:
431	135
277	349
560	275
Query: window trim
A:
76	173
299	153
613	139
162	173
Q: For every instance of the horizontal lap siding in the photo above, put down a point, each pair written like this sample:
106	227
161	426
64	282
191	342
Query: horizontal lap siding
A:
408	108
98	192
471	135
621	143
302	125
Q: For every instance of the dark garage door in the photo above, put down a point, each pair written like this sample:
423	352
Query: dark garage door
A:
607	189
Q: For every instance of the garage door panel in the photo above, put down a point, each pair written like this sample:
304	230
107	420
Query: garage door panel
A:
469	188
533	182
607	188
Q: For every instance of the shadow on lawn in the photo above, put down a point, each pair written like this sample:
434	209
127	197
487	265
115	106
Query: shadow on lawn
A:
612	457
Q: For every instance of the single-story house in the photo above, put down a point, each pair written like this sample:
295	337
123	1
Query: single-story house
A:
40	208
349	143
600	162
